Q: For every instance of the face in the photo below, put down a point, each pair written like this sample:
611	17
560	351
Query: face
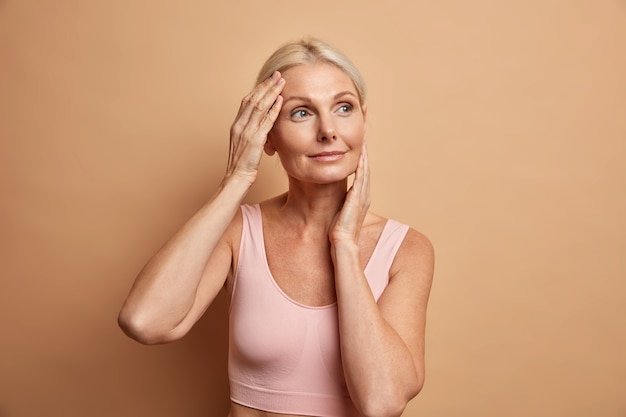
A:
320	130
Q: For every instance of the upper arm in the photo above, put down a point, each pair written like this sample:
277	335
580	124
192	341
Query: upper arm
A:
217	271
404	301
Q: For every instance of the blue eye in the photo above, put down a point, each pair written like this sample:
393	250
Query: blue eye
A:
299	114
345	108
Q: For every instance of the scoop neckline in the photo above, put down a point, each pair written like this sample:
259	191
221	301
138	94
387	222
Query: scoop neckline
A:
278	287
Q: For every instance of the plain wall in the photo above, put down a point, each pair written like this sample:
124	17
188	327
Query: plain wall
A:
496	128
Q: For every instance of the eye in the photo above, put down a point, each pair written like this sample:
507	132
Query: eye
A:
345	108
299	114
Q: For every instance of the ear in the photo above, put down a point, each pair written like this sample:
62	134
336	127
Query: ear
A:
268	147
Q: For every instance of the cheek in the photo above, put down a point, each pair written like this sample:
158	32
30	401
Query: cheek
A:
286	136
354	132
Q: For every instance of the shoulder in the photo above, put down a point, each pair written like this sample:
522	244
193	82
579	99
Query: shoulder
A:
414	244
415	257
258	213
417	244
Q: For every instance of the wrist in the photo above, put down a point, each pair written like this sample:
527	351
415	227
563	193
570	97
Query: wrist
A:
344	248
235	181
231	190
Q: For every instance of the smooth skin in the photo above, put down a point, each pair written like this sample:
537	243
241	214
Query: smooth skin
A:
318	237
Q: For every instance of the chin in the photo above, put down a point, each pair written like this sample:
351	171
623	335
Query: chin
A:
328	177
322	174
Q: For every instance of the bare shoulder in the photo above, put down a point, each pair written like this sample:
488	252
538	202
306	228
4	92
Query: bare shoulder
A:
414	246
415	257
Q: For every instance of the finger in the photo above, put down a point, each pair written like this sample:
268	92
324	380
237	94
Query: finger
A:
366	196
357	184
258	89
271	116
261	99
366	166
261	108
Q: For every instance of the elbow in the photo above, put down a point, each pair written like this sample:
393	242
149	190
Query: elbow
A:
393	403
140	330
135	329
383	408
416	388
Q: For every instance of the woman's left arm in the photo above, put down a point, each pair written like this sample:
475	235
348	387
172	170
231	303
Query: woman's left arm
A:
382	343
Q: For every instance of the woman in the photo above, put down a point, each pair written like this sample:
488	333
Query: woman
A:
328	300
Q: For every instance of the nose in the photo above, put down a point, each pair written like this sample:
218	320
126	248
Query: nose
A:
326	130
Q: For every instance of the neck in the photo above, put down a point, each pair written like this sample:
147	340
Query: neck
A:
313	205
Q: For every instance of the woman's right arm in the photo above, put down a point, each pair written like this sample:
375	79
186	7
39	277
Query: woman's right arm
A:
180	281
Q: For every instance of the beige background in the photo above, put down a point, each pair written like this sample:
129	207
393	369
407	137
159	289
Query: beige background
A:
498	128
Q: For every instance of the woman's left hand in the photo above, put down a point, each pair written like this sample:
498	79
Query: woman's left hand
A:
348	222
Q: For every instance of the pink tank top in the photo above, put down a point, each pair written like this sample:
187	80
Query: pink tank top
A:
284	356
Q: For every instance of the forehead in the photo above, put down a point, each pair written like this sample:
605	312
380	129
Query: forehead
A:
319	79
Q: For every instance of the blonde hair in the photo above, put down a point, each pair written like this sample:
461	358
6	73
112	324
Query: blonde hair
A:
310	51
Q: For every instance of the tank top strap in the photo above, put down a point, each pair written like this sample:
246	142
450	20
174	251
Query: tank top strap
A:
251	249
252	231
377	268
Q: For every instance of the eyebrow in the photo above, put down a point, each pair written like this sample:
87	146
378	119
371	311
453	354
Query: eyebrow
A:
335	97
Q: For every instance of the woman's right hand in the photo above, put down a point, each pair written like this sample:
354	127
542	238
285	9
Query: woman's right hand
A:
248	133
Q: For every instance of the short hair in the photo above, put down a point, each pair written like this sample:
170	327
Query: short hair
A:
310	51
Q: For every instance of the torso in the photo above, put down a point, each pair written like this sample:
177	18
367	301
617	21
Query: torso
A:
302	267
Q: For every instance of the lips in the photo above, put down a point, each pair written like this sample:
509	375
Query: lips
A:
328	155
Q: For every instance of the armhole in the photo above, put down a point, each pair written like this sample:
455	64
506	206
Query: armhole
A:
239	222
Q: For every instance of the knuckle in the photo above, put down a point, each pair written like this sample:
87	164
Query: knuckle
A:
236	129
245	102
273	110
258	106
